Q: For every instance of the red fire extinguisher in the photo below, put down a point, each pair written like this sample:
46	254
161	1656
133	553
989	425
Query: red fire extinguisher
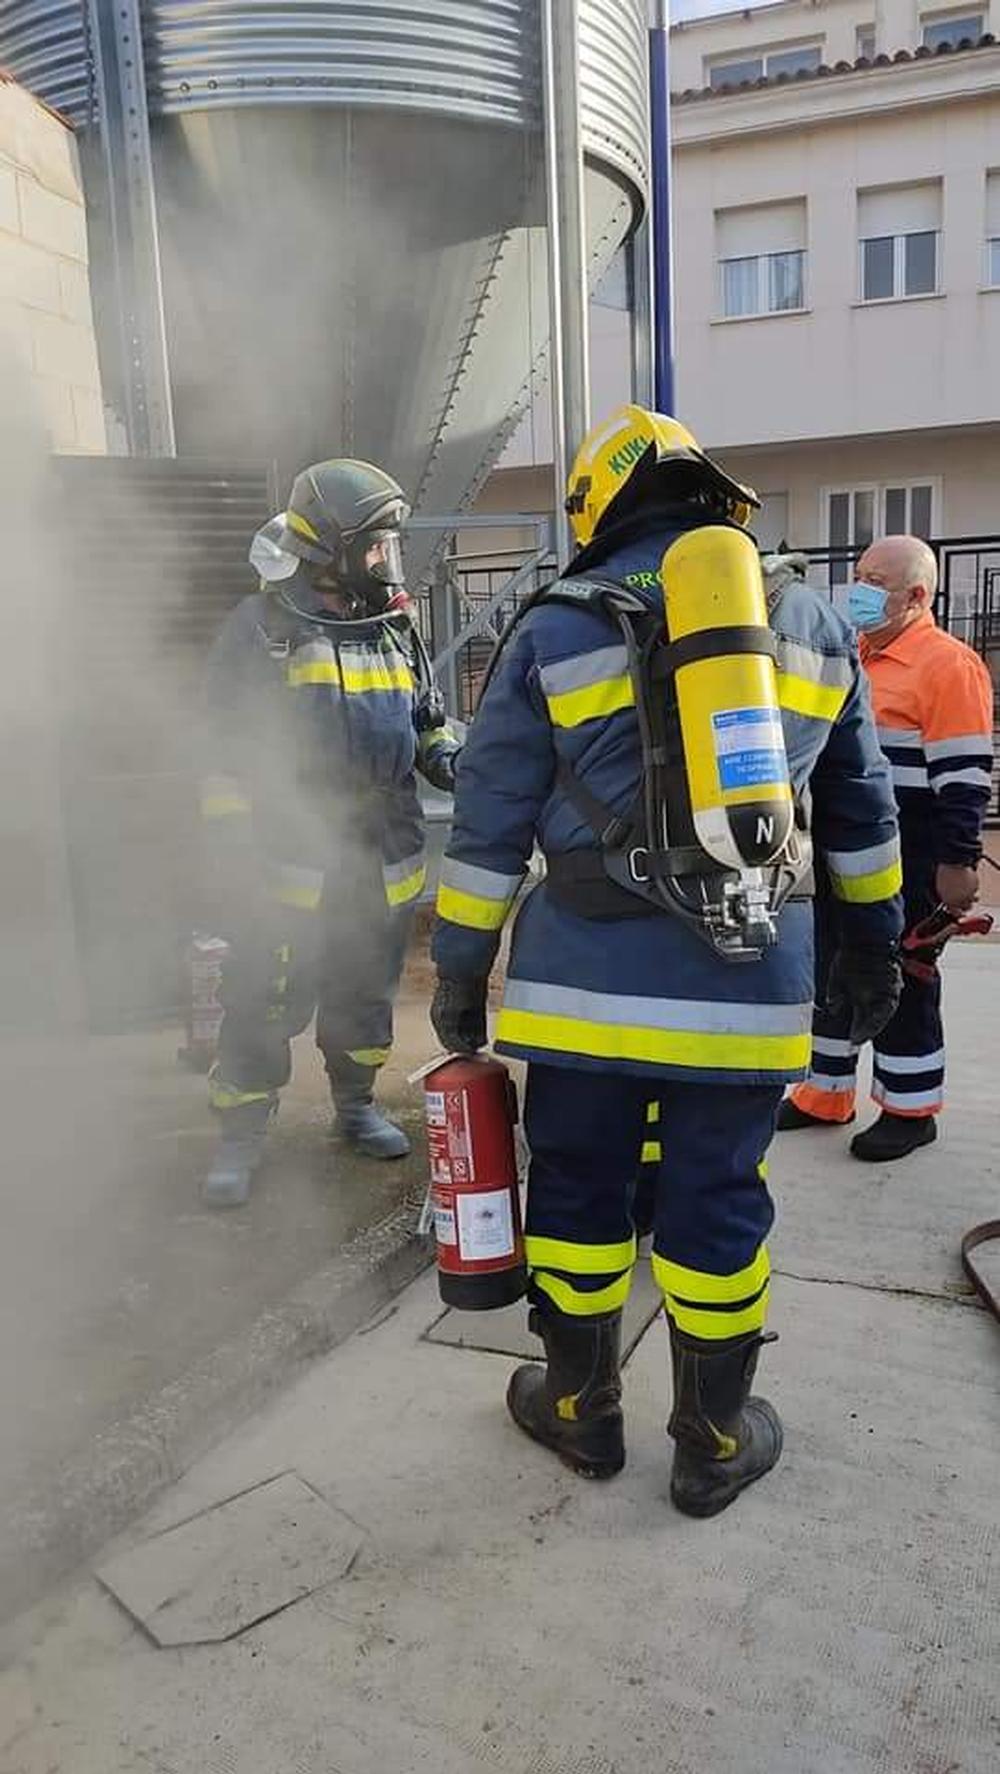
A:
471	1110
205	960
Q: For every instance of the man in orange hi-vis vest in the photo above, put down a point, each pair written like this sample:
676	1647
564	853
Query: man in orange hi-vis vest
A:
933	704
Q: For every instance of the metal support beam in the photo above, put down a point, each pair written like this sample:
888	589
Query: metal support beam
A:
567	251
115	36
640	301
664	391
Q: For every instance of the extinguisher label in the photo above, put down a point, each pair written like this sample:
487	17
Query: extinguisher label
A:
444	1225
434	1108
485	1225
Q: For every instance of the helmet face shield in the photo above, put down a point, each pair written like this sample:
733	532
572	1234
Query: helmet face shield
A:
383	557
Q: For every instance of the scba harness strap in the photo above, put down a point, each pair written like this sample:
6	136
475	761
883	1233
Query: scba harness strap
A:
648	860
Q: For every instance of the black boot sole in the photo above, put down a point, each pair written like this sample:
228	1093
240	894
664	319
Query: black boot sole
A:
872	1155
593	1463
713	1503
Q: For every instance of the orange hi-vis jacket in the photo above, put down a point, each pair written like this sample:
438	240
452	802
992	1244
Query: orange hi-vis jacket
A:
933	704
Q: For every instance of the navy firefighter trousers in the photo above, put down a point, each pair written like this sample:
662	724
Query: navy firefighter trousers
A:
589	1133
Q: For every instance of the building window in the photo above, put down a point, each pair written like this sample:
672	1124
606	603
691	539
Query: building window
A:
800	58
991	274
761	253
864	43
855	516
953	29
899	232
772	283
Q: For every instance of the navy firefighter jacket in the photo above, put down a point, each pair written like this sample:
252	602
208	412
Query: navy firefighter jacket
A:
314	742
646	995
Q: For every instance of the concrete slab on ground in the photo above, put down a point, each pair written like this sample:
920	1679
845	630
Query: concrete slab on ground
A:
839	1619
241	1561
117	1286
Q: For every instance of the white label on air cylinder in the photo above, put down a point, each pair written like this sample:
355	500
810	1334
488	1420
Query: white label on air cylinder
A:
749	747
485	1225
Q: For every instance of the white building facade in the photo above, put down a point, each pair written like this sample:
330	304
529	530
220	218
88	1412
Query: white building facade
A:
836	201
837	265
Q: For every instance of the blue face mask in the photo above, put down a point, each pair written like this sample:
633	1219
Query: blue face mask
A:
866	605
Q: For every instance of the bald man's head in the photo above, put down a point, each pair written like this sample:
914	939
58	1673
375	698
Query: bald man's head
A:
904	567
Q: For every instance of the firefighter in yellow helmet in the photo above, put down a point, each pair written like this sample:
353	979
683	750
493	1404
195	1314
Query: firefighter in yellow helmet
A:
654	727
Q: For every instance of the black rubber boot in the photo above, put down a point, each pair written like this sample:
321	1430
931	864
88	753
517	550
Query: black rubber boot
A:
791	1119
893	1136
573	1405
725	1439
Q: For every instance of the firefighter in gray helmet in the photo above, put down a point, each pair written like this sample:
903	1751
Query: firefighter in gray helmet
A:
321	708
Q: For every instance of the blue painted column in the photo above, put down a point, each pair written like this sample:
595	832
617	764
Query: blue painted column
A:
659	131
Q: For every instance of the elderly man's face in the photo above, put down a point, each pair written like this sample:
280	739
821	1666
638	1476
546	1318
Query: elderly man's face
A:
887	565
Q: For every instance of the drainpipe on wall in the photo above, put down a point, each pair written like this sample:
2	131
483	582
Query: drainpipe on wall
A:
567	254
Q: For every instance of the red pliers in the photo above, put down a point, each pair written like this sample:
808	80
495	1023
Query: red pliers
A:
922	946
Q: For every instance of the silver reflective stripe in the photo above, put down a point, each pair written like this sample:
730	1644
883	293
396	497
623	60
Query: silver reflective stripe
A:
909	776
908	736
966	745
466	877
314	653
909	1062
583	669
801	661
395	873
657	1013
906	1099
864	862
970	777
826	1081
831	1048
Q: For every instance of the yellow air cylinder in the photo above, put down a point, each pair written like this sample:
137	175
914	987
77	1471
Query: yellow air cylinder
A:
734	746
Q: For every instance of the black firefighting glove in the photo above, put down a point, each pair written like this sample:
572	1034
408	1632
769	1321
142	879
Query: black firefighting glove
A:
867	982
458	1014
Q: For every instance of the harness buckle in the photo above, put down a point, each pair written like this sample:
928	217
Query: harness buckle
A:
640	879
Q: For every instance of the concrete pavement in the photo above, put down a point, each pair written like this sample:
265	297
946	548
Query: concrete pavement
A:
841	1618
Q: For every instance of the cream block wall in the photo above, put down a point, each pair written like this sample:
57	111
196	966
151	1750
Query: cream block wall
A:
841	367
46	319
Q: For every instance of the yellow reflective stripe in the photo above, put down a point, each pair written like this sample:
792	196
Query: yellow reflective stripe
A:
351	680
471	909
762	1169
399	892
653	1112
581	1305
592	702
226	1096
578	1259
301	526
388	677
717	1326
802	697
655	1047
304	899
716	1290
313	671
651	1152
866	889
369	1056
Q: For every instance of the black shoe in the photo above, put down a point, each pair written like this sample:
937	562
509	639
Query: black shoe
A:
791	1118
573	1404
893	1136
725	1439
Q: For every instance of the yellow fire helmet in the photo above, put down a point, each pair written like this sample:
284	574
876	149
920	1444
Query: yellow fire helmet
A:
636	450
